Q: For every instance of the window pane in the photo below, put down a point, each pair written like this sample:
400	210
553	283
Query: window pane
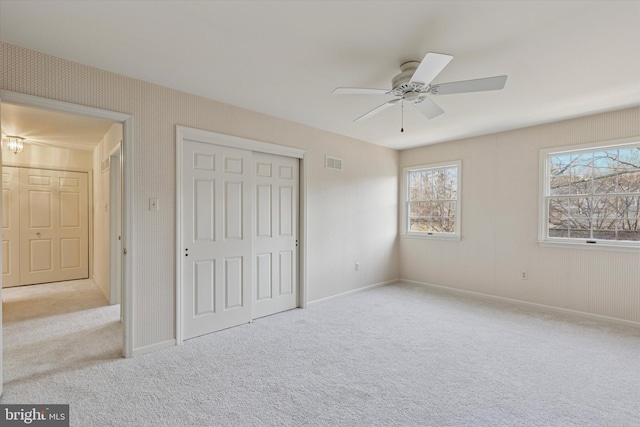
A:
449	224
558	211
558	218
418	224
605	162
633	235
580	216
558	231
604	219
417	209
560	177
415	187
429	187
449	208
580	233
605	175
629	181
451	183
629	158
604	207
629	215
436	209
581	173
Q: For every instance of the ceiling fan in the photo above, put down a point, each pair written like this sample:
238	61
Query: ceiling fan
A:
413	85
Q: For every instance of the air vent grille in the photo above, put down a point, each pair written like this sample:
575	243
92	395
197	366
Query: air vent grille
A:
333	163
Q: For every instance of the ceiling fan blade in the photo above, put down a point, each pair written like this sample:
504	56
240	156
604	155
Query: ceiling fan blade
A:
378	109
359	91
432	64
429	108
476	85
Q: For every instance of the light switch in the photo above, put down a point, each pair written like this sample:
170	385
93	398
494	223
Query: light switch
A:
154	205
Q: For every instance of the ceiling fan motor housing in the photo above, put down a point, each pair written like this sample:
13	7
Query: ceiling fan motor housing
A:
402	85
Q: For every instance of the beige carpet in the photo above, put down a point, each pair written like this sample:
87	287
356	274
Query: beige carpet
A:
399	355
56	327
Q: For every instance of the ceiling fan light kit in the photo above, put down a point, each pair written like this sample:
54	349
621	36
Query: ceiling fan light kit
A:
413	84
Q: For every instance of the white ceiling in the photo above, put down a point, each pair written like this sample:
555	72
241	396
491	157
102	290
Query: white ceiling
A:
283	58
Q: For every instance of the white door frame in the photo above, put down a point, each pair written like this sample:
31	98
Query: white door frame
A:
184	133
127	199
115	226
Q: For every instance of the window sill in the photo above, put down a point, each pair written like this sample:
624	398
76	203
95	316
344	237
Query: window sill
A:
425	236
599	246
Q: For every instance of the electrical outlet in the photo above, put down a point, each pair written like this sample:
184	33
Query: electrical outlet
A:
357	266
524	275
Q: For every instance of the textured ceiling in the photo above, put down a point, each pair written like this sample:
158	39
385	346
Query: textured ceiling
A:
283	58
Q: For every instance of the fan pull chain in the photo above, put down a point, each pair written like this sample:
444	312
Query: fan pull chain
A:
402	116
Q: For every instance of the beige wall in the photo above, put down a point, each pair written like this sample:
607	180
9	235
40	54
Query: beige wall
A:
351	216
498	243
101	210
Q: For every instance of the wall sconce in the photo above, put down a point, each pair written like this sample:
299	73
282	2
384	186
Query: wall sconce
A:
15	143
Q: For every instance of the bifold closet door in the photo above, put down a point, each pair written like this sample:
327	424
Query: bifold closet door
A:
10	226
54	243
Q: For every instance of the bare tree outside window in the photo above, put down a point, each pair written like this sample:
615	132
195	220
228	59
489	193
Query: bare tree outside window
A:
432	200
595	194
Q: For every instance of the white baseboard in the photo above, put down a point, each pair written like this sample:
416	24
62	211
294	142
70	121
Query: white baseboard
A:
551	308
153	347
375	285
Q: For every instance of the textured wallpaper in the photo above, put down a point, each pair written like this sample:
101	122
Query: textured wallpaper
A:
500	181
335	237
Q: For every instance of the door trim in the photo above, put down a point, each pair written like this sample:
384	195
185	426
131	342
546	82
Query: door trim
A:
115	219
184	133
127	196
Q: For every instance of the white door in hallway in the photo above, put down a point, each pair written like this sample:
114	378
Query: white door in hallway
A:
275	243
54	243
10	226
216	234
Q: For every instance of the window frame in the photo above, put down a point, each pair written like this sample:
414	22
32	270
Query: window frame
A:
404	203
543	195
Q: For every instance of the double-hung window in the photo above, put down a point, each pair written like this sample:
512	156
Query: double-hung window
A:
591	196
431	205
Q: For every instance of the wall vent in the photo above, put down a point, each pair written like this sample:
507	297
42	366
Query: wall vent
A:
333	163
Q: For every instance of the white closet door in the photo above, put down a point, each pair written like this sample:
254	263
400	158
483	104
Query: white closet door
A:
216	233
10	226
53	226
276	230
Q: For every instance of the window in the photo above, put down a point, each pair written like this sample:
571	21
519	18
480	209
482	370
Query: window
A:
432	205
592	195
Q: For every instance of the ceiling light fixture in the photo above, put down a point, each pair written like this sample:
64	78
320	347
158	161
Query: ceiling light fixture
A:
15	143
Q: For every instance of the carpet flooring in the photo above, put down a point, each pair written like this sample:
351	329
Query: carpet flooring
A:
398	355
